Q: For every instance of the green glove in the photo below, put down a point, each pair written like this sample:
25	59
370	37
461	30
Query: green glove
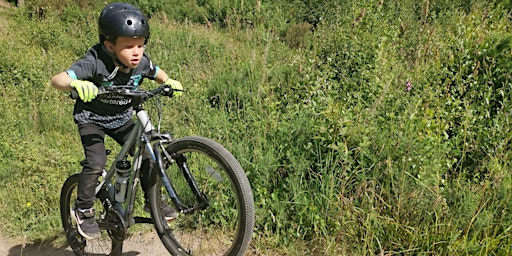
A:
87	91
176	86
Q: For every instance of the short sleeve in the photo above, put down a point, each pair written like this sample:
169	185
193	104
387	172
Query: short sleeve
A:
84	68
148	68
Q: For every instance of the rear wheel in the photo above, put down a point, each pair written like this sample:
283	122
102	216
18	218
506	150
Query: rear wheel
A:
106	244
226	225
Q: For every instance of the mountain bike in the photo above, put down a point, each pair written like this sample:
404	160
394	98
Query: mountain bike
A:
200	178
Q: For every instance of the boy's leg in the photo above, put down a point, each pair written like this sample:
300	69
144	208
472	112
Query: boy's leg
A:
145	183
92	137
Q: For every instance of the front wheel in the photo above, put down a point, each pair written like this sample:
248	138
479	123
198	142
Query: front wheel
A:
226	225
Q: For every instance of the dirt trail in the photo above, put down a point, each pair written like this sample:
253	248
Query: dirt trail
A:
5	247
138	244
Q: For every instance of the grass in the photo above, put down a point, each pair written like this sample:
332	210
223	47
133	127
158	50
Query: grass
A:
343	160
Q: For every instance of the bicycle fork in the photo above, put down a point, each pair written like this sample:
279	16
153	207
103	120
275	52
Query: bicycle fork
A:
181	161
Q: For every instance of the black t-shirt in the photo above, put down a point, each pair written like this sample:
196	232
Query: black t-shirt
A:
98	67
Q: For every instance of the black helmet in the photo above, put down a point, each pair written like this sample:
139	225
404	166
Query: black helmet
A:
122	19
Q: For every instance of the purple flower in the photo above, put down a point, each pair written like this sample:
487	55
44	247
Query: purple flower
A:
408	86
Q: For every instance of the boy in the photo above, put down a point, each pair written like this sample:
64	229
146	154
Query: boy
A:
118	59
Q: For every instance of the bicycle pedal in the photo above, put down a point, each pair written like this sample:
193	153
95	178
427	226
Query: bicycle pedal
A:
143	220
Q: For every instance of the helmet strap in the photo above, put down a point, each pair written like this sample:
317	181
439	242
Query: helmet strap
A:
113	74
116	60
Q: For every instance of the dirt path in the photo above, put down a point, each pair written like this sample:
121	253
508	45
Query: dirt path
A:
138	244
5	247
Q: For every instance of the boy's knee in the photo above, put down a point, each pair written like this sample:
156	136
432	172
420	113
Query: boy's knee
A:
93	166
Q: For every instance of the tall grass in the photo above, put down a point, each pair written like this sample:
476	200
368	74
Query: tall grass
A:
383	129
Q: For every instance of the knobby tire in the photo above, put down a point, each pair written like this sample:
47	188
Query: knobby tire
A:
225	227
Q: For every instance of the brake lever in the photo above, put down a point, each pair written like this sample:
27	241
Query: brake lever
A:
168	91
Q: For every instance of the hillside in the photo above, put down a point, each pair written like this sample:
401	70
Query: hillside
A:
5	10
365	127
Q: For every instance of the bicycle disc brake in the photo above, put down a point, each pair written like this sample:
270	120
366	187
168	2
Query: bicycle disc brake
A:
117	225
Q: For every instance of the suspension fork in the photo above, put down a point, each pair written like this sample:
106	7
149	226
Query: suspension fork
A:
180	160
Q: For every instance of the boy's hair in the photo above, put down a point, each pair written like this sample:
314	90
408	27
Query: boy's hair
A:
122	20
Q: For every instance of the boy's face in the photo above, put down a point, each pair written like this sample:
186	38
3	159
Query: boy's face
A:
128	50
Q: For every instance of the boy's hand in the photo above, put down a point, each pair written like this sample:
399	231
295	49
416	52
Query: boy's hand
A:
175	86
87	91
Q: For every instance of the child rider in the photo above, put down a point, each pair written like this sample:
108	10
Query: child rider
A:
118	59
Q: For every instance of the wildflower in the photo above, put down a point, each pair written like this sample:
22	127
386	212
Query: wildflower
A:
408	86
29	204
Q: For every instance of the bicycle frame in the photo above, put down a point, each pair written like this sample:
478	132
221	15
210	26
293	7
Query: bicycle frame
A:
108	176
140	140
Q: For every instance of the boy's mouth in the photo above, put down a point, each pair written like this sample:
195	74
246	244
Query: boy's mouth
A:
134	61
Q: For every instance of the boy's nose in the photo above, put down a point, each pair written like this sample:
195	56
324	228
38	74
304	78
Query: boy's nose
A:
137	51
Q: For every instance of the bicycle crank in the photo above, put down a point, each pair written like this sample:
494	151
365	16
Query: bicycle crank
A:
115	225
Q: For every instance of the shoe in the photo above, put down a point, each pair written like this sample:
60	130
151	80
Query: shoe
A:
169	212
86	223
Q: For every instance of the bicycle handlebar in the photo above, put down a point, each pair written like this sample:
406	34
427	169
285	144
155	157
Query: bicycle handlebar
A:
128	92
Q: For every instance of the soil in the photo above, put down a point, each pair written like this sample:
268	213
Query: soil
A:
138	244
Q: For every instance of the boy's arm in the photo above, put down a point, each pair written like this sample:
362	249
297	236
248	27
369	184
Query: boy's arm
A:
61	81
86	90
161	76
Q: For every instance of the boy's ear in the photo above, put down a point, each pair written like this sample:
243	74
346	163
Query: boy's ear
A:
109	46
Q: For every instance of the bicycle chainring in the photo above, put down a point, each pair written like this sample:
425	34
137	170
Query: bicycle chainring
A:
117	231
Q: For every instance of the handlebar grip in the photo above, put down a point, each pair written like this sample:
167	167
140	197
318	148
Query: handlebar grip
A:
160	89
164	90
73	94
